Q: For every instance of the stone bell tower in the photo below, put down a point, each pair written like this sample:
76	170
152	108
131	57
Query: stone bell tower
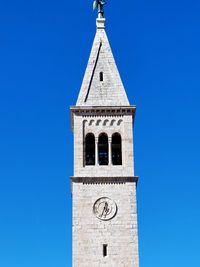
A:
104	185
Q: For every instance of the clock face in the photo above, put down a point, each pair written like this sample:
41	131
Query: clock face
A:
105	208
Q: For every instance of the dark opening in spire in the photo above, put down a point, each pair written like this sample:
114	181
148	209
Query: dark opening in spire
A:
101	76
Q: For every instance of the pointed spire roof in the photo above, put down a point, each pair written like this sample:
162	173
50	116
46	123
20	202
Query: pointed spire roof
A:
102	85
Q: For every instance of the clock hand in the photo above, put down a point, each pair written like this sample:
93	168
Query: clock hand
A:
106	210
103	212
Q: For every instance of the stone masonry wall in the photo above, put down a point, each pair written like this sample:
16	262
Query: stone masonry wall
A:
119	233
108	125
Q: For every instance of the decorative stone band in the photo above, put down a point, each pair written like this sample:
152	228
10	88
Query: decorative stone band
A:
104	180
101	111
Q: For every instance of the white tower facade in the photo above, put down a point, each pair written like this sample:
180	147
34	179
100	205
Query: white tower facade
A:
105	231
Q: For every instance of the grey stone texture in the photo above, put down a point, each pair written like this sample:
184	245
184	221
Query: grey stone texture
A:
91	183
109	92
90	233
108	125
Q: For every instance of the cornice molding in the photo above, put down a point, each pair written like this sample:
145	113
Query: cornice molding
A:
105	180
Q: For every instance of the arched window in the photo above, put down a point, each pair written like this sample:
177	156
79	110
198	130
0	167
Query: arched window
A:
90	149
116	149
103	149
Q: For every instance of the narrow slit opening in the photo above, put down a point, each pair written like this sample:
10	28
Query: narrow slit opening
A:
105	252
101	76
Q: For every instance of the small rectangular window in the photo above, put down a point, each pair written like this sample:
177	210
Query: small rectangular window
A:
105	252
101	76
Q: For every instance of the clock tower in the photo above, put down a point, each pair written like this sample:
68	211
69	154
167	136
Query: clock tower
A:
105	232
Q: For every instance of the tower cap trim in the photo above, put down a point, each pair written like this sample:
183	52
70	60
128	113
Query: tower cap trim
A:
100	22
99	109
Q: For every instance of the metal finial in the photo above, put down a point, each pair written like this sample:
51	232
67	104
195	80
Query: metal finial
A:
99	5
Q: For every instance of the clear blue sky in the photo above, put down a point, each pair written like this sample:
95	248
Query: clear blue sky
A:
44	47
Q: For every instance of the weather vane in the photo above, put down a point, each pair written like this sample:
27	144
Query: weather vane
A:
99	5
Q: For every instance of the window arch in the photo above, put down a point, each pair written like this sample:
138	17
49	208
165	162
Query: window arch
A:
90	149
116	149
103	149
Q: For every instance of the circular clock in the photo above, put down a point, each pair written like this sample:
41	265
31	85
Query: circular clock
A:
105	208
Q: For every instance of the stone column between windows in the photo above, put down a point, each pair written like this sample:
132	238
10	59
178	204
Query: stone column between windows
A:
109	150
96	151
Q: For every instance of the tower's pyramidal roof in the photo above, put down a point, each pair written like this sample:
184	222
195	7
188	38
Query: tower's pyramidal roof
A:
102	85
